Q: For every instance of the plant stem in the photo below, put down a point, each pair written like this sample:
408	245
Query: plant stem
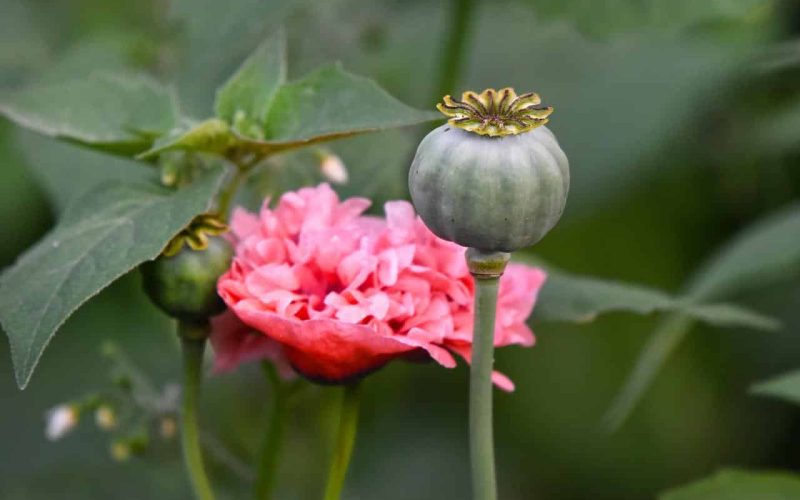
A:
266	477
228	191
486	268
452	57
193	340
346	437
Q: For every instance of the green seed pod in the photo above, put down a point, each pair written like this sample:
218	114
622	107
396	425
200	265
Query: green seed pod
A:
492	178
182	281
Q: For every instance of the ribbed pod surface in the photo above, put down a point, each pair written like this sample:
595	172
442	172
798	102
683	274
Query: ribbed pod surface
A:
489	193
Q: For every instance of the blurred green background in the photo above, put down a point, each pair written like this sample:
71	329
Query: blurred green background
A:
681	120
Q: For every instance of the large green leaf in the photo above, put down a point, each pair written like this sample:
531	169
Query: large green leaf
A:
328	104
332	103
739	485
765	252
786	387
566	297
250	91
67	172
114	112
101	237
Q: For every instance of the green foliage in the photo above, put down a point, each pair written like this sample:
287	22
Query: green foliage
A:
210	136
67	171
113	112
739	485
603	18
332	103
101	237
581	299
249	93
213	37
328	104
786	387
764	253
94	242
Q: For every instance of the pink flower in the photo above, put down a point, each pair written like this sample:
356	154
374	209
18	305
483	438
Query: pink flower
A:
343	293
234	343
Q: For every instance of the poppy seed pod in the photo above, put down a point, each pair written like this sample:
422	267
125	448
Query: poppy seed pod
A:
182	281
492	178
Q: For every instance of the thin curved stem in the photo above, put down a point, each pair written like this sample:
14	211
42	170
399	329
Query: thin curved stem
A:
345	440
228	191
192	345
272	443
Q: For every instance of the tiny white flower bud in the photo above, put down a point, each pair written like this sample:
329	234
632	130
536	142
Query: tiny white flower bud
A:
105	417
60	421
333	169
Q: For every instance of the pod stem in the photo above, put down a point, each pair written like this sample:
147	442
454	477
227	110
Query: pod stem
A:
345	440
486	268
193	340
271	446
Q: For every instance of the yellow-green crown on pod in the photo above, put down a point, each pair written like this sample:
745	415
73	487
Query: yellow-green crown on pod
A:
196	234
495	113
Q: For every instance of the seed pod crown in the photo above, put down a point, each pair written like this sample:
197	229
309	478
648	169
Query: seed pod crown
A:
495	113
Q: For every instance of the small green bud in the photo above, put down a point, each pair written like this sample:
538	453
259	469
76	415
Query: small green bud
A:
120	450
183	280
105	417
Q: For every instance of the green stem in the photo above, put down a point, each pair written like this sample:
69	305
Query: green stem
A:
452	59
228	191
266	477
193	340
346	437
486	268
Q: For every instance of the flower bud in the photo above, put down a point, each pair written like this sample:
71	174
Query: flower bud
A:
61	420
333	168
105	417
183	280
120	450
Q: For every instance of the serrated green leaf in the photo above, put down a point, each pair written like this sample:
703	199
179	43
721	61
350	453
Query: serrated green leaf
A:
102	236
739	485
332	103
566	297
248	94
67	171
326	105
765	252
112	112
786	387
